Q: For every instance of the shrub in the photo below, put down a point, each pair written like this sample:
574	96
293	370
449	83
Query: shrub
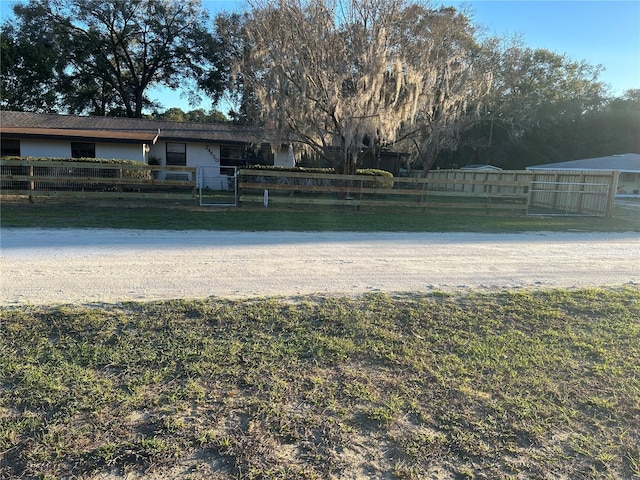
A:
383	179
83	171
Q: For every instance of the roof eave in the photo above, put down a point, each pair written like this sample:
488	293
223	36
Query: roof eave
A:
79	135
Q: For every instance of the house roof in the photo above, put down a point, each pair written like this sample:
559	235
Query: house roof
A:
480	166
627	162
28	124
74	134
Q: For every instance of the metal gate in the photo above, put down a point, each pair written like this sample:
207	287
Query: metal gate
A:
217	186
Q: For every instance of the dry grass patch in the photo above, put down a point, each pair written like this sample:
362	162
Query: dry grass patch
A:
508	385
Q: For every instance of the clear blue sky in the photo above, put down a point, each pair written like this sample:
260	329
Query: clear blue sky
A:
603	33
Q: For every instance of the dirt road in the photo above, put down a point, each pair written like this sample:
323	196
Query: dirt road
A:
94	266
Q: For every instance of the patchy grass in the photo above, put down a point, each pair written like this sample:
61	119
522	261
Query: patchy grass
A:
507	385
145	215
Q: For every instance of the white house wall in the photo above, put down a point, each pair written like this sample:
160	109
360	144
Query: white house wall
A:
62	149
628	183
198	154
45	148
280	159
120	151
284	158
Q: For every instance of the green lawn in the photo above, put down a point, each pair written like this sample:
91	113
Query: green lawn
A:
160	215
533	385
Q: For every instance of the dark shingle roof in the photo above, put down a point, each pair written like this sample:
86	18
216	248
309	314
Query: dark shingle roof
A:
119	128
76	134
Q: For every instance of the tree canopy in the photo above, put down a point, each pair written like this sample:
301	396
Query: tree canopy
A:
198	115
90	56
345	77
544	108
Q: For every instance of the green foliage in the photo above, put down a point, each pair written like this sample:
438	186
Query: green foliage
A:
82	160
383	179
543	107
199	115
65	53
33	60
82	171
278	168
523	383
548	108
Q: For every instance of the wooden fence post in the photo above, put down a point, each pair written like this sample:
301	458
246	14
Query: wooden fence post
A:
613	189
580	201
32	185
120	178
554	202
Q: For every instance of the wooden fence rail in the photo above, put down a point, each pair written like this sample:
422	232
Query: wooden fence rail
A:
294	188
508	191
530	191
64	179
573	192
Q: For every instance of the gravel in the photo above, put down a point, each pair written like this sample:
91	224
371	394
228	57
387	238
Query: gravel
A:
95	266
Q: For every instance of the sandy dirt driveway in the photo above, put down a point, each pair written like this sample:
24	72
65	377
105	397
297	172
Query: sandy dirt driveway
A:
86	266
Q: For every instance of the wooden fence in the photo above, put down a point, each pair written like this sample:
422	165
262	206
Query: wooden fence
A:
470	181
64	179
572	192
509	191
520	191
452	193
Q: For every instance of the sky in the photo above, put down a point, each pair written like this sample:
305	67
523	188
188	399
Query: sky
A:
601	32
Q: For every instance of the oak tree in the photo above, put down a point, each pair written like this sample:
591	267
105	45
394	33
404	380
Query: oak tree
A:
103	57
347	77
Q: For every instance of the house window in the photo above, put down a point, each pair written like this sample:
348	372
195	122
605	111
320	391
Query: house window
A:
83	150
10	148
232	156
262	156
176	153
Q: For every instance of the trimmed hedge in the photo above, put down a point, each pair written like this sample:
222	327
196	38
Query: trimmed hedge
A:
81	160
80	171
383	178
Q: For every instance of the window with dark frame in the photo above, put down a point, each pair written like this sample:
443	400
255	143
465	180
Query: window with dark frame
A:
10	148
240	156
83	150
176	153
233	155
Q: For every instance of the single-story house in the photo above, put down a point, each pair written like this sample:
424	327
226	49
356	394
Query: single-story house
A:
627	164
148	141
159	142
